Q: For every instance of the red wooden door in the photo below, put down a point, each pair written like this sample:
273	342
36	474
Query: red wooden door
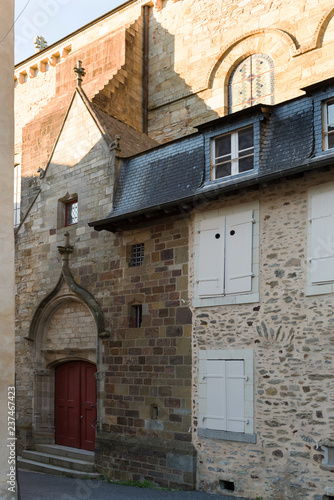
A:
75	404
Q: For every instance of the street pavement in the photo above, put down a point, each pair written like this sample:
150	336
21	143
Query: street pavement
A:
36	486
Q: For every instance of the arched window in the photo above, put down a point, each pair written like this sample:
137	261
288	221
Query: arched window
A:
252	82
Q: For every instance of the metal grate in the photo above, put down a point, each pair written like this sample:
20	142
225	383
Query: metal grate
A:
71	213
137	255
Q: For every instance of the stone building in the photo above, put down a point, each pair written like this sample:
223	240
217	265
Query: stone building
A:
8	488
177	240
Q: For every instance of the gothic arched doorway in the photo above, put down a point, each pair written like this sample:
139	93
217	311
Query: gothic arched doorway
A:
75	404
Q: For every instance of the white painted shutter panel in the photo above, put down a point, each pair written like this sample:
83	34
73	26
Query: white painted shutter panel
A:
238	266
322	240
216	395
211	257
235	395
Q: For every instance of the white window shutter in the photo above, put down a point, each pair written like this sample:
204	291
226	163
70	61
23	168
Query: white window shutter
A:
211	257
216	395
235	396
322	239
239	240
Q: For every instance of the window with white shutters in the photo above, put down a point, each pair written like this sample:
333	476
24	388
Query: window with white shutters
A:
225	250
211	257
226	394
321	237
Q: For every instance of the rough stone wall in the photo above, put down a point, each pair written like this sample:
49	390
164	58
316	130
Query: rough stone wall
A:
291	335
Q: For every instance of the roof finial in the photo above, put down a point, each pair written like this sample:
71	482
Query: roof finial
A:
80	72
40	43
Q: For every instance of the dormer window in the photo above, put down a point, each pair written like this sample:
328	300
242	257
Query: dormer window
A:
232	153
328	125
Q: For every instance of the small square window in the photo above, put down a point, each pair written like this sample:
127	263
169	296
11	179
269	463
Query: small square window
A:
233	153
71	212
328	125
137	255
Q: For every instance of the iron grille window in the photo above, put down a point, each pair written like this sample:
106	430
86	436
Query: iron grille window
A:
71	213
137	255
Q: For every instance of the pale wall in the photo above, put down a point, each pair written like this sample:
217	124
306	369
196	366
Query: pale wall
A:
6	236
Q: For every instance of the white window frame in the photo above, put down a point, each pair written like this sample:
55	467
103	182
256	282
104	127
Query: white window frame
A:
327	243
233	157
247	356
325	124
237	298
17	195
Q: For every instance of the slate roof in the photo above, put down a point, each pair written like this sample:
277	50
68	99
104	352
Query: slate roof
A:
132	141
175	183
158	182
290	140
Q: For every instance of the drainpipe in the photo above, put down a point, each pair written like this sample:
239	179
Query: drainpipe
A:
145	69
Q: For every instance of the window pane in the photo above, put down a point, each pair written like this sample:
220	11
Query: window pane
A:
245	138
223	146
330	116
223	170
330	141
246	164
71	213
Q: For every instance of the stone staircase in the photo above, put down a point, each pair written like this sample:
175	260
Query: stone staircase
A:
59	460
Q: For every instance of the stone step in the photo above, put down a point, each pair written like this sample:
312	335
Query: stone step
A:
66	451
59	461
31	465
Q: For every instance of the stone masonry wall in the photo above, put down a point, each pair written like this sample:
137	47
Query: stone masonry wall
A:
193	48
291	335
148	379
146	370
72	325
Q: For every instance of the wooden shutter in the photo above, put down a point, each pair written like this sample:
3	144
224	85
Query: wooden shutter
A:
211	257
216	395
322	238
238	265
235	396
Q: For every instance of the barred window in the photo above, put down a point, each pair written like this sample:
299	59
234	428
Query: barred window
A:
137	255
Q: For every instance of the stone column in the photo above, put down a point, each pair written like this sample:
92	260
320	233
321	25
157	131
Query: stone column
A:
7	294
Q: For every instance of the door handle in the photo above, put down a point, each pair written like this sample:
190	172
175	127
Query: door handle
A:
81	416
92	406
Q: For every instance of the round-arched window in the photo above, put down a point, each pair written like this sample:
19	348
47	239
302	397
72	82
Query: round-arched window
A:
252	82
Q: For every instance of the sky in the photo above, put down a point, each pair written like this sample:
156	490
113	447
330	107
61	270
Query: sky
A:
53	20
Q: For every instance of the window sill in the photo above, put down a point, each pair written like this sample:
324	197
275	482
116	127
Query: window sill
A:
227	435
223	300
319	289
